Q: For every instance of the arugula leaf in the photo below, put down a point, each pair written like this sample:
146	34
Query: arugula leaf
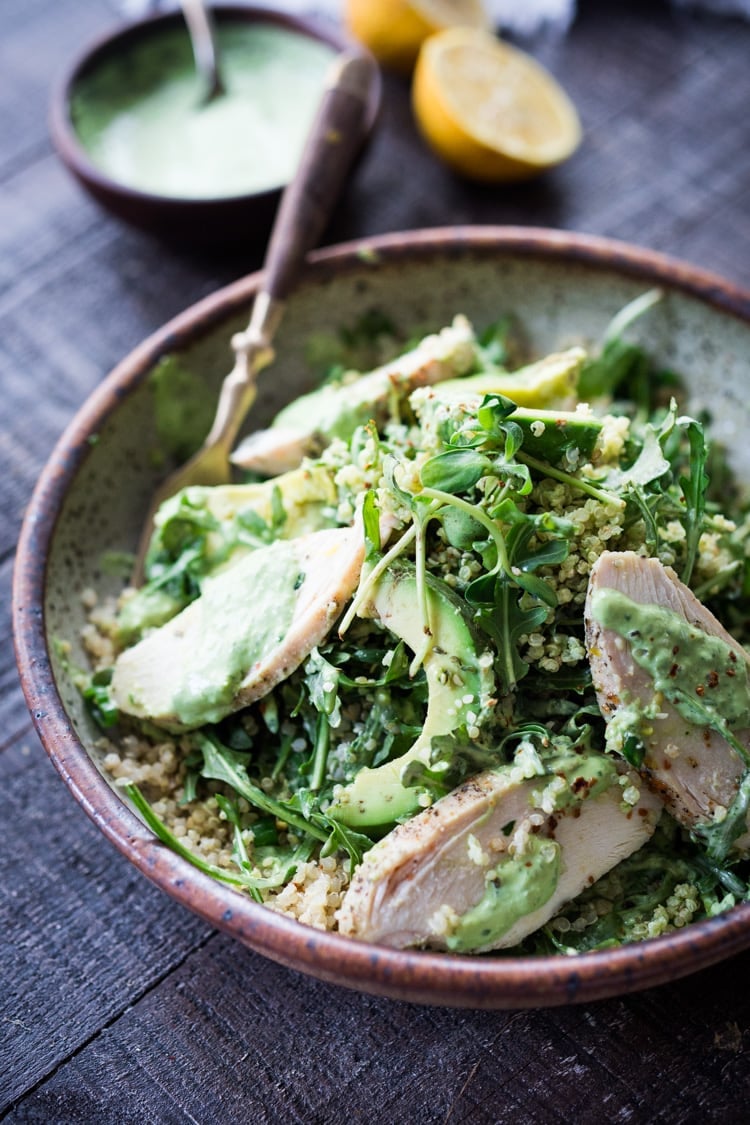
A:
222	764
160	830
99	701
371	521
646	506
302	813
494	342
396	669
453	758
322	681
576	679
367	328
620	363
320	753
277	863
505	621
649	466
719	837
341	838
633	750
693	487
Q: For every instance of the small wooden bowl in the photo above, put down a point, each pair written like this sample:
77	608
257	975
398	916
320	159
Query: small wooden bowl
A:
239	219
92	495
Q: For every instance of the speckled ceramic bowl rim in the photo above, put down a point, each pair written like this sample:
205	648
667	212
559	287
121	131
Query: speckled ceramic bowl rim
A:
76	157
488	982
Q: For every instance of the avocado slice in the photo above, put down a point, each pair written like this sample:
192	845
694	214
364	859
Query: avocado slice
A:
548	382
303	494
550	434
460	685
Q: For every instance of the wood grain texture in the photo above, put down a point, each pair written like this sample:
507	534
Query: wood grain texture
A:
115	1004
227	1036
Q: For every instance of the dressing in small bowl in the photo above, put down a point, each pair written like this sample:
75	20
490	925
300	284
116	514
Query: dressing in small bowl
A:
134	124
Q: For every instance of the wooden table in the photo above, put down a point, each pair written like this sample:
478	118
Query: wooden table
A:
115	1004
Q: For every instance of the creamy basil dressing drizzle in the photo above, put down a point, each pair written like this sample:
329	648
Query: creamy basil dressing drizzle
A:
144	120
702	676
521	884
517	887
245	614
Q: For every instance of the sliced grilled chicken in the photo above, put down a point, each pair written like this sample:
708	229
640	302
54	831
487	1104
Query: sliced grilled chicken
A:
252	625
658	675
279	449
310	422
485	866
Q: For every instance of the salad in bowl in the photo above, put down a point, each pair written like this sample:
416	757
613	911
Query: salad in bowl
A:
458	665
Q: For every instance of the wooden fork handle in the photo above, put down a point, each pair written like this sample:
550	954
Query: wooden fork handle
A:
307	204
336	134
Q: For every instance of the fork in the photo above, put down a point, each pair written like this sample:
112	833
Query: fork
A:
307	202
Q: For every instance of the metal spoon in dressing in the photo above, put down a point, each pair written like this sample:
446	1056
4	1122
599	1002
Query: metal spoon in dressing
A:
202	33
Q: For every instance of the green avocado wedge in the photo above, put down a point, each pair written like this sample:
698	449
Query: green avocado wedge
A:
460	685
551	434
549	382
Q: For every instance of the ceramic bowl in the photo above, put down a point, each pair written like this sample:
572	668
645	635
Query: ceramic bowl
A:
92	495
243	220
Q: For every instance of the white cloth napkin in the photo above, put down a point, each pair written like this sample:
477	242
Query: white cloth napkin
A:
523	17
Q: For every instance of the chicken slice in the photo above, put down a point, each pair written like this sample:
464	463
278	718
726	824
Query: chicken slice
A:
252	625
277	450
668	677
493	861
335	410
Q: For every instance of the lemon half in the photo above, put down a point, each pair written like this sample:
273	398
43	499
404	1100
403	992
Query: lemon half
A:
489	110
394	30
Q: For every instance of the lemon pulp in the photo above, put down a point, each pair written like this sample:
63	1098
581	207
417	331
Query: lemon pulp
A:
489	110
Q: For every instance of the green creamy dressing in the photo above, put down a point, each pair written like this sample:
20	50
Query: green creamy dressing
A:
147	609
143	117
183	407
521	884
702	676
586	775
515	888
245	614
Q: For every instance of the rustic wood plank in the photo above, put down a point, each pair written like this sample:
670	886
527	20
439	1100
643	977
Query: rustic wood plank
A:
34	52
230	1037
84	932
